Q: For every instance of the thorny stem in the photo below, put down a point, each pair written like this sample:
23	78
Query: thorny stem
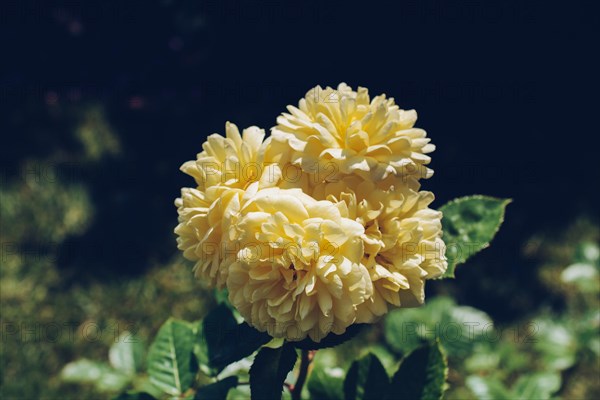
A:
305	359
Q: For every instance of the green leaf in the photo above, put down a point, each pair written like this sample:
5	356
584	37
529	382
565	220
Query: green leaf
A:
218	321
239	393
538	386
502	358
82	371
585	277
269	370
126	354
388	359
422	375
238	343
142	384
588	252
201	350
462	327
326	380
217	390
457	327
132	395
482	361
404	329
112	381
366	379
488	388
555	343
331	340
222	297
102	376
171	365
240	368
469	224
587	329
226	341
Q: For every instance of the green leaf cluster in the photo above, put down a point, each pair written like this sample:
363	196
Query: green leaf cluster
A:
191	360
420	375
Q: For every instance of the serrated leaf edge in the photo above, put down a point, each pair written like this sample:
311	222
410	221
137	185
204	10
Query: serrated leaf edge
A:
503	204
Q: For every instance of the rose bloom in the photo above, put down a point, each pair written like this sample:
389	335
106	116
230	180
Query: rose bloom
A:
298	270
371	138
323	224
222	171
402	240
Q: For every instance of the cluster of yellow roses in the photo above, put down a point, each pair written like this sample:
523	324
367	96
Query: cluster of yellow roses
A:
321	225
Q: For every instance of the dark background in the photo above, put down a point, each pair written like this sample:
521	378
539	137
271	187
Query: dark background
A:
506	90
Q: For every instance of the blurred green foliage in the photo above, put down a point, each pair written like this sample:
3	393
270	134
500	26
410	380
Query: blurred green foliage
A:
48	318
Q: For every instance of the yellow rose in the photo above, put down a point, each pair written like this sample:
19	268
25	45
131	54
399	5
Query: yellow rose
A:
222	171
346	129
402	239
298	270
